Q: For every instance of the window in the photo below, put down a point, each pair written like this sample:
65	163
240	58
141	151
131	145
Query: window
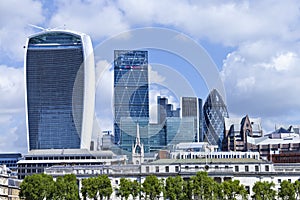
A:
247	168
289	180
247	189
157	169
267	168
147	169
279	181
186	167
167	168
236	168
256	168
176	168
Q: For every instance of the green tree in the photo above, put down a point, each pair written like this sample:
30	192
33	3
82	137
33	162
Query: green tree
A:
264	190
66	188
124	188
104	186
174	188
187	190
233	189
297	188
287	191
95	187
152	187
203	186
89	188
135	189
37	187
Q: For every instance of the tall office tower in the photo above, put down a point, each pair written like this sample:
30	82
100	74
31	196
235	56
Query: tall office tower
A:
60	90
214	110
192	107
131	95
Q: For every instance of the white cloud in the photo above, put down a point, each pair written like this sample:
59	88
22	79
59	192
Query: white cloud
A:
11	89
229	22
97	18
15	17
12	111
154	76
264	87
104	95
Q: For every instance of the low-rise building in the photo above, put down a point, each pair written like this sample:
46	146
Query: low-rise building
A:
247	167
9	185
37	160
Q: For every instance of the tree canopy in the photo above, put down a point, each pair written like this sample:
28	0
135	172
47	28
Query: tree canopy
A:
263	190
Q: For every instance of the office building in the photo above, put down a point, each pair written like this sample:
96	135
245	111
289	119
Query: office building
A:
237	132
60	90
131	96
10	160
9	185
180	130
214	111
36	161
192	107
164	110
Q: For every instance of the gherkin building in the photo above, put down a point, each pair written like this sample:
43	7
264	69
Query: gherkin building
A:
214	111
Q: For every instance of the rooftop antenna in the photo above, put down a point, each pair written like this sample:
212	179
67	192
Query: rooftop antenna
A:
38	27
47	29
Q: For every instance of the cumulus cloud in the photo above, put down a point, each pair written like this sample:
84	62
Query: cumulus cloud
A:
14	26
12	112
104	95
229	22
265	87
97	18
11	89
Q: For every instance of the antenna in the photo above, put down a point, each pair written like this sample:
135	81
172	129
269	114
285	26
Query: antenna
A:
37	27
47	29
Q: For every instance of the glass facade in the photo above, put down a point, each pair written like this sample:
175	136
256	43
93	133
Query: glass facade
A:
55	90
180	130
131	94
192	107
214	110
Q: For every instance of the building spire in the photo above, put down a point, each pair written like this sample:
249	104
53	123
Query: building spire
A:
137	140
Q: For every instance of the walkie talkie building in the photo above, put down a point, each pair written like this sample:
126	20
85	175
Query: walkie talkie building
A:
60	90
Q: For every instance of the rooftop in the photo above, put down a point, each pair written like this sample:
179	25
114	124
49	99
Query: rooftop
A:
208	160
67	152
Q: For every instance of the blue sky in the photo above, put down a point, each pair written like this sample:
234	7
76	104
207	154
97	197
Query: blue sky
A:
254	44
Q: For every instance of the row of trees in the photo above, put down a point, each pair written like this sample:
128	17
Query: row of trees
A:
200	186
42	186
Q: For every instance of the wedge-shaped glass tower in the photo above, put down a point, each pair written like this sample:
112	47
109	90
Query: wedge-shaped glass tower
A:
60	90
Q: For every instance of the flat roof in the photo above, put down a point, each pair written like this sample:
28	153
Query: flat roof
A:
208	161
67	152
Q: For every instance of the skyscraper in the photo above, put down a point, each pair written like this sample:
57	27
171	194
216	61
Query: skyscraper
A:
192	107
164	110
131	95
214	110
60	90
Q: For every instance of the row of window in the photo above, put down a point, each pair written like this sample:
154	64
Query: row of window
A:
237	168
256	167
68	158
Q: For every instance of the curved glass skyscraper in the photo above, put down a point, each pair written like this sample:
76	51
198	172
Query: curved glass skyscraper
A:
214	111
60	90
